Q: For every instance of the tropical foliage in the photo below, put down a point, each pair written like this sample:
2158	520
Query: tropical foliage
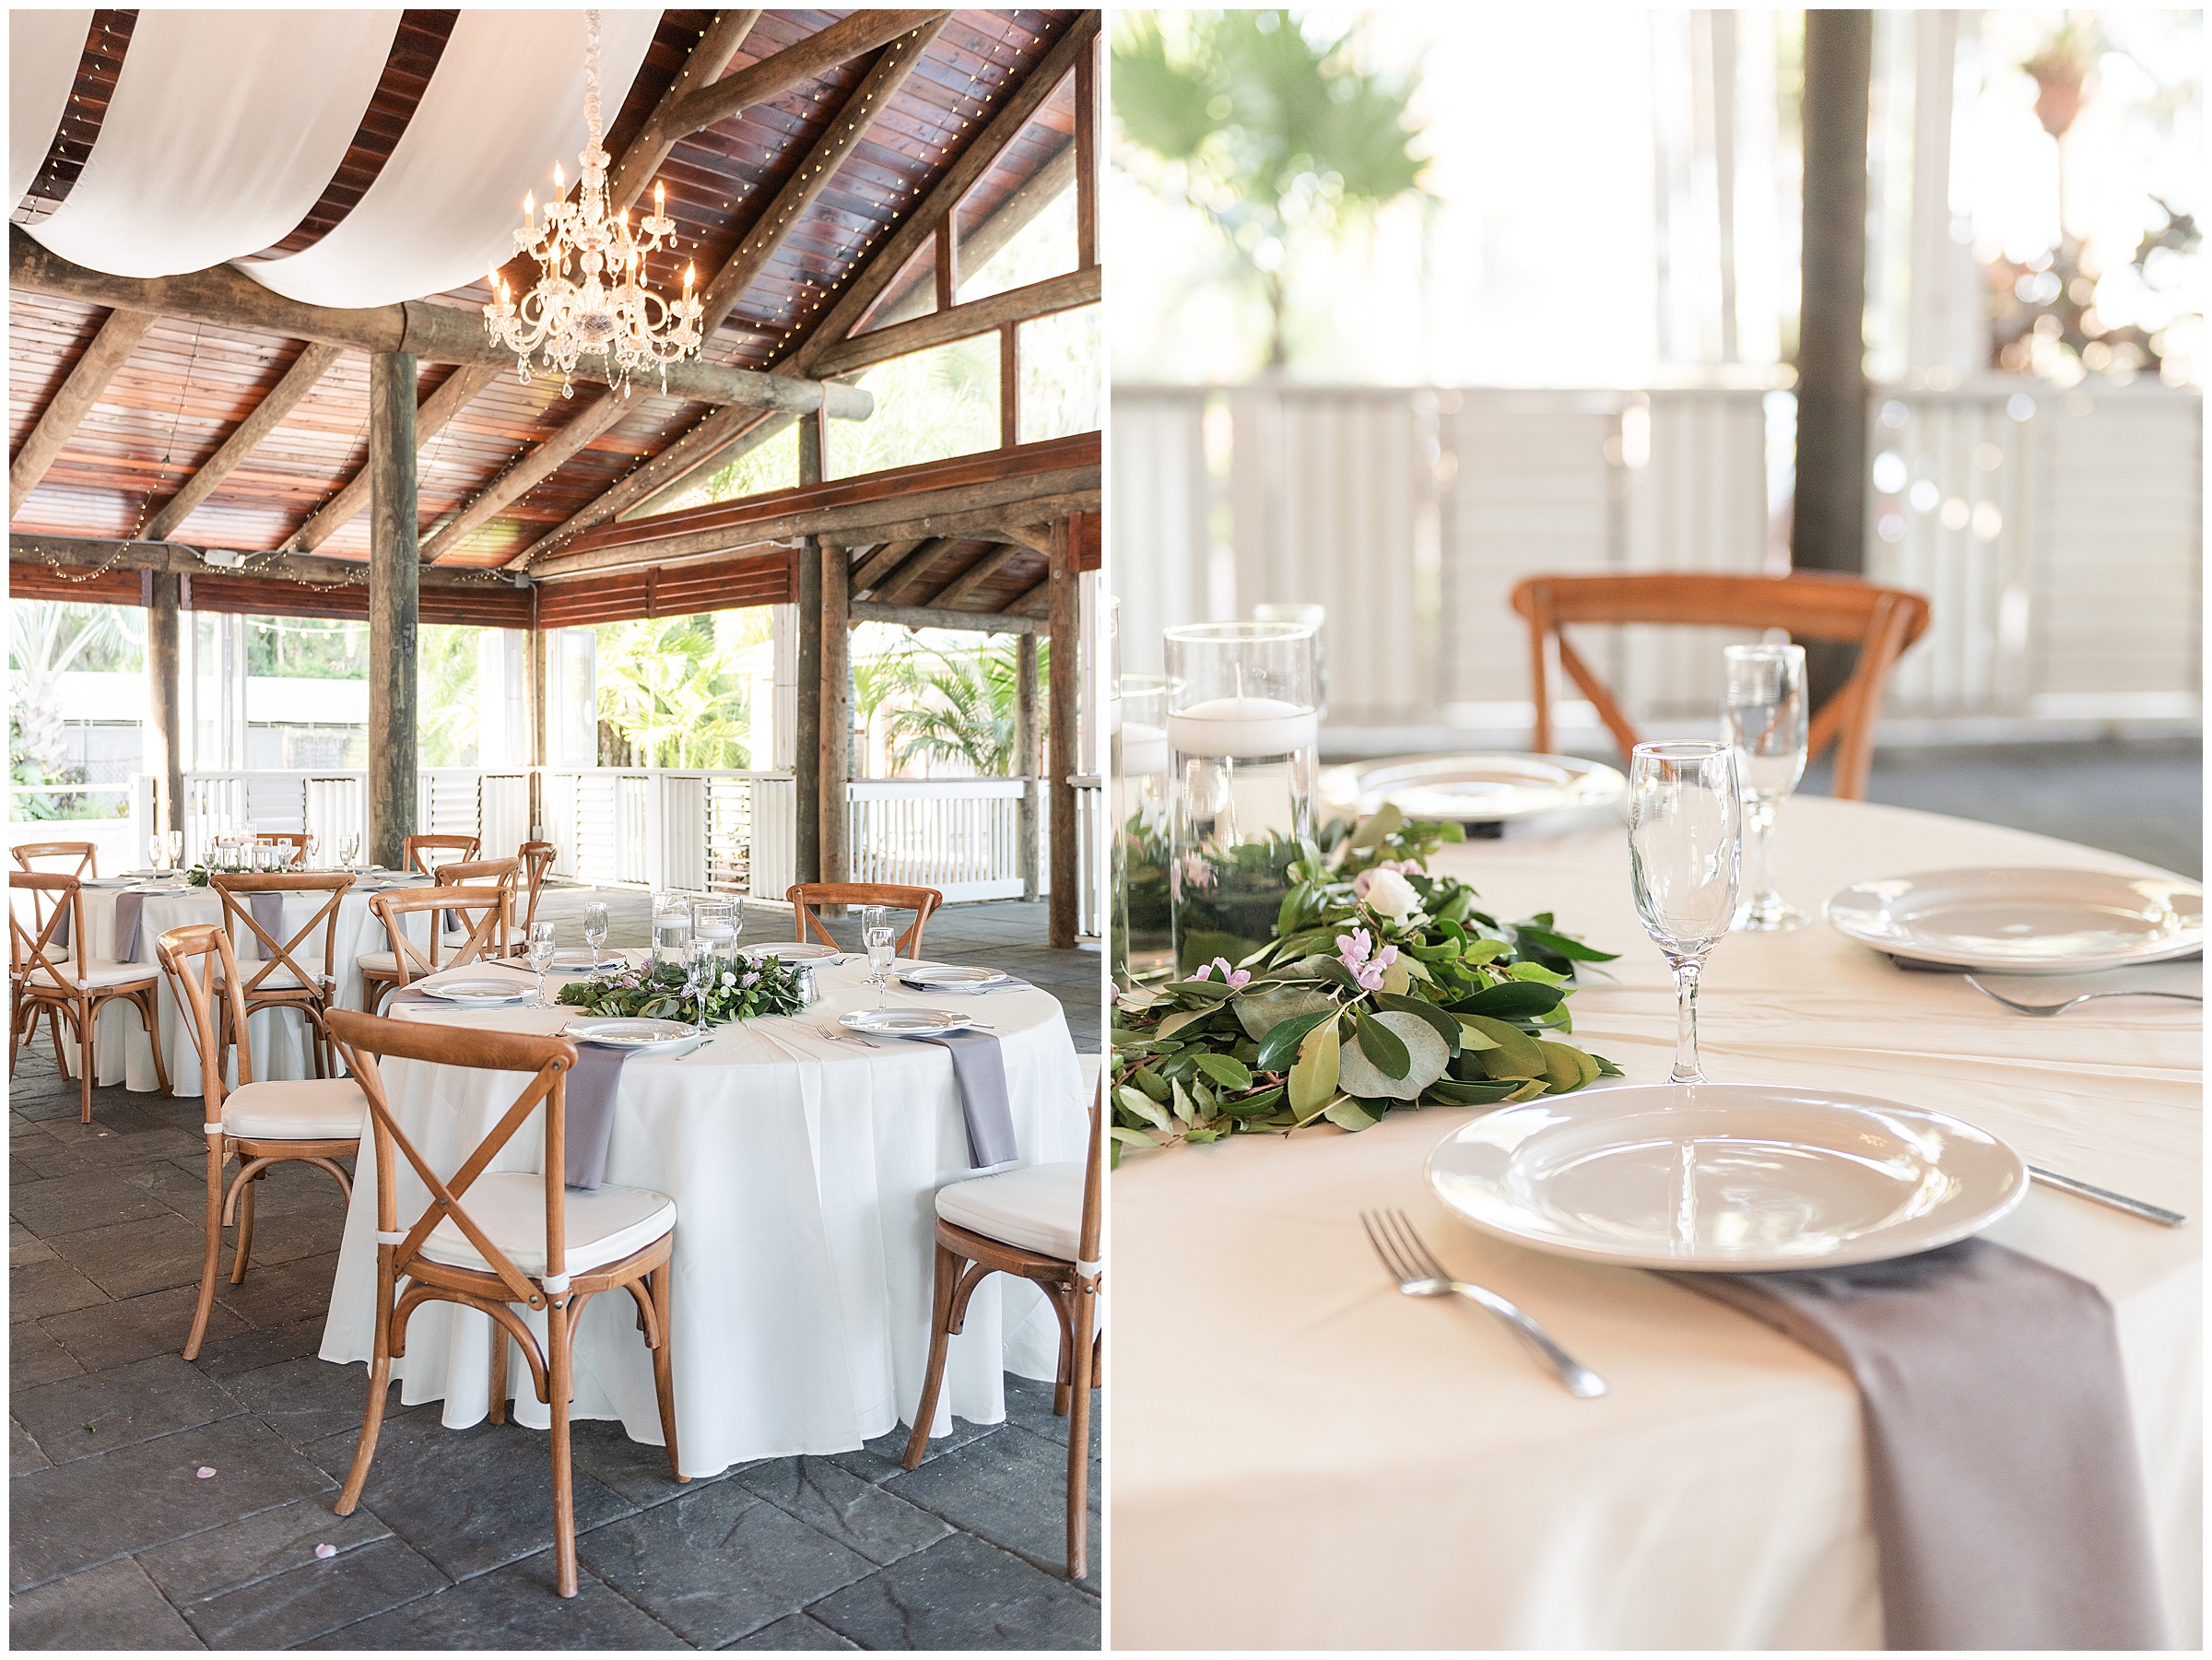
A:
945	705
670	687
1275	137
1381	987
46	639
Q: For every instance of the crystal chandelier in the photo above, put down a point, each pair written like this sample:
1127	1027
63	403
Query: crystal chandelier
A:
590	296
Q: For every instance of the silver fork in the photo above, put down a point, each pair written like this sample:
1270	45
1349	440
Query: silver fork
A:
829	1035
2059	1009
1418	1274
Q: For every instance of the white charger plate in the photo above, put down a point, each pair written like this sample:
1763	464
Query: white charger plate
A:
954	977
1726	1178
480	993
904	1022
2025	921
791	951
574	959
637	1034
1528	792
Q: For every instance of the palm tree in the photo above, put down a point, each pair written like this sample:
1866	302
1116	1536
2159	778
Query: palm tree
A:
667	686
45	637
1275	137
948	706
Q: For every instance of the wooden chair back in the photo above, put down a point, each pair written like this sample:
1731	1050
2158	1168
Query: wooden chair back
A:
537	859
487	930
234	889
37	945
84	856
201	966
416	851
475	873
361	1039
1810	605
807	897
1087	1264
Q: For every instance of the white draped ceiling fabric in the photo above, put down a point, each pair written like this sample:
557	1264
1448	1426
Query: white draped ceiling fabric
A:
226	127
42	52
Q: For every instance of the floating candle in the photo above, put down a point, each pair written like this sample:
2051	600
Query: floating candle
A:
1144	749
1244	727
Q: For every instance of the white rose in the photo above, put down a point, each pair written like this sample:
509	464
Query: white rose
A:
1390	894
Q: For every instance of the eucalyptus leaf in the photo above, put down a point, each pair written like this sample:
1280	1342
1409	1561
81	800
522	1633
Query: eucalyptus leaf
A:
1262	1012
1425	1054
1313	1078
1381	1046
1444	1025
1398	976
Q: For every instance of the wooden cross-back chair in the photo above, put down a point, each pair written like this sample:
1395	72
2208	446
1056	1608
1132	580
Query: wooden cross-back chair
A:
43	979
82	858
286	976
1041	1223
808	898
1810	605
482	912
416	851
308	1120
487	1240
536	860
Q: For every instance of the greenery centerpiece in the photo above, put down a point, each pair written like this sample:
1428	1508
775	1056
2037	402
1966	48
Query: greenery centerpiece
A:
709	993
1382	986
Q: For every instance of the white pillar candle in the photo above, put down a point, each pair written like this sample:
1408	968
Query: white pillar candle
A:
1144	749
716	931
1244	727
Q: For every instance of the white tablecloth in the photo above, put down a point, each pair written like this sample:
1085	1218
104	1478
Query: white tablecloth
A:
1305	1459
121	1054
803	1174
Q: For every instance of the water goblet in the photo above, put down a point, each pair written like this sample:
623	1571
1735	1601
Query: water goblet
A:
1764	717
882	942
538	953
157	852
172	846
349	849
1686	843
595	929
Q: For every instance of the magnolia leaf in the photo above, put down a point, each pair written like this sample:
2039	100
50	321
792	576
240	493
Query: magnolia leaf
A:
1150	1082
1563	1067
1348	1114
1381	1046
1314	1078
1426	1057
1251	1106
1378	826
1444	1025
1472	1036
1529	1090
1262	1012
1226	1071
1513	1000
1516	1054
1182	1018
1144	1107
1281	1043
1210	991
1131	1137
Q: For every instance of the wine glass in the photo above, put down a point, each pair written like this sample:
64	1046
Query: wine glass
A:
1764	717
157	852
172	844
538	953
595	929
349	849
882	942
1686	849
315	847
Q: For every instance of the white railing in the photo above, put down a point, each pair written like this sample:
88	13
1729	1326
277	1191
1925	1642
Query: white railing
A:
1090	857
961	836
2058	536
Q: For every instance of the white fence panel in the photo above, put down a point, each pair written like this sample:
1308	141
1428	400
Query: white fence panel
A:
960	836
1160	500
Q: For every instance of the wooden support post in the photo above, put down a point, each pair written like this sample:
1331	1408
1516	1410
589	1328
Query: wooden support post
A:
1025	755
1063	668
539	748
394	582
164	696
837	711
806	759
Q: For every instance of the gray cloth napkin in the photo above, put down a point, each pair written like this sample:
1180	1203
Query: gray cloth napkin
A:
2007	1500
980	1070
128	910
594	1083
268	913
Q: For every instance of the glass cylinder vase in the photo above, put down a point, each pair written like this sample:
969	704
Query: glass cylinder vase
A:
1243	730
1143	921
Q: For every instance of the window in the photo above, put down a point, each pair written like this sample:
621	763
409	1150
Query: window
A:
929	404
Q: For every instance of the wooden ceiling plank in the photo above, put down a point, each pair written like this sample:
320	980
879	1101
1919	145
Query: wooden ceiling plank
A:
309	368
453	394
926	553
887	558
965	587
1041	594
528	471
794	66
117	338
660	133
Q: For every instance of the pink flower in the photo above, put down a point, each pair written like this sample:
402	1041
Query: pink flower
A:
1195	871
1356	951
207	1470
1235	978
327	1551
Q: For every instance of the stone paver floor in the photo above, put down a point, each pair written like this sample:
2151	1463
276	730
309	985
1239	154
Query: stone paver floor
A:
116	1543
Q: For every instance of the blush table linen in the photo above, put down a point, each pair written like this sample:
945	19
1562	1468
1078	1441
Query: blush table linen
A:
805	1174
1392	1473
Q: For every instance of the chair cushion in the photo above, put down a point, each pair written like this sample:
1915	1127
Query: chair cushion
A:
1039	1207
98	971
305	1109
602	1224
377	962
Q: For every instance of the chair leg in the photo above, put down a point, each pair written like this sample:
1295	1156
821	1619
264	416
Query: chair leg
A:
54	1030
380	1383
87	1027
214	1254
664	1368
940	1340
564	1497
500	1343
245	1228
149	1014
1079	1434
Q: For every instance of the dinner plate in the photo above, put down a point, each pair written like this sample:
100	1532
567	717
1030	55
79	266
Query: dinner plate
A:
583	959
1492	794
1730	1178
638	1035
904	1022
486	992
955	977
2025	921
791	951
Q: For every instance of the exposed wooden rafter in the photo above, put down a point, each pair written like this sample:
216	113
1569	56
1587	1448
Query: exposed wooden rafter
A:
453	394
977	317
970	583
526	472
871	573
307	369
982	244
662	131
185	559
117	338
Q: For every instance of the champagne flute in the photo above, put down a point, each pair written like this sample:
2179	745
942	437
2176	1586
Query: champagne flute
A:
539	954
350	851
314	848
1686	844
595	929
883	950
1764	717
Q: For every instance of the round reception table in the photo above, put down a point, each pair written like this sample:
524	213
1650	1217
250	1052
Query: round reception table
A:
1304	1458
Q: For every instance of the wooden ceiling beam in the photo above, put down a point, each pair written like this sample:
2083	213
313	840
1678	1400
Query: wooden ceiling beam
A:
118	337
929	617
867	574
453	394
794	66
308	368
1041	594
228	298
970	583
977	317
526	472
182	559
662	131
725	434
892	588
979	246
